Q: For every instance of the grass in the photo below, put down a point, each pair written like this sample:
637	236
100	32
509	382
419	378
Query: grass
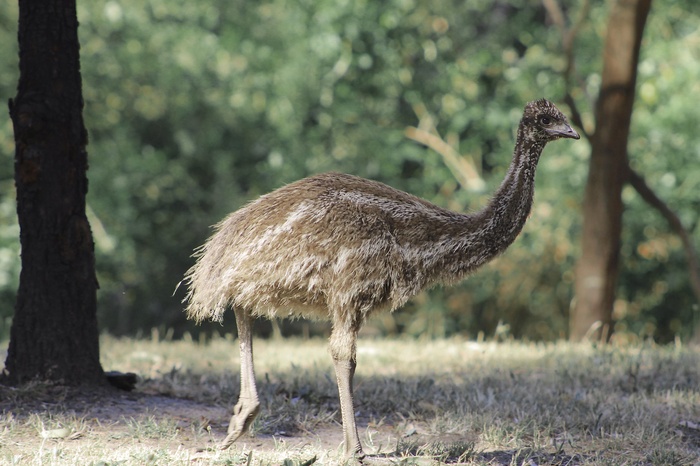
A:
417	402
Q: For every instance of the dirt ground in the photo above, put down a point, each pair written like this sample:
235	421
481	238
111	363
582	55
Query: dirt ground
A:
108	415
482	404
103	418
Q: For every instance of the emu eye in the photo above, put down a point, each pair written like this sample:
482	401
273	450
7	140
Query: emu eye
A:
545	120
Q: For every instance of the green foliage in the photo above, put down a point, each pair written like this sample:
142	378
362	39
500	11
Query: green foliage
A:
9	229
195	108
656	298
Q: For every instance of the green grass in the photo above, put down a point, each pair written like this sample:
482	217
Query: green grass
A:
417	402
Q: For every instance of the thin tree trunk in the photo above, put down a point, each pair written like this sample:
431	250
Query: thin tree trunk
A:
54	333
597	268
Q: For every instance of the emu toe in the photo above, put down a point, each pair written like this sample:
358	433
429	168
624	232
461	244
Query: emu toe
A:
242	419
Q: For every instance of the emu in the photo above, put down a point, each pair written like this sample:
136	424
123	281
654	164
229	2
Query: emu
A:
342	248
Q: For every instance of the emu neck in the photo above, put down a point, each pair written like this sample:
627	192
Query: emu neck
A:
490	231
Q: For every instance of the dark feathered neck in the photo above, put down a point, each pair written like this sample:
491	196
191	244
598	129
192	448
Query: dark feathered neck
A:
510	206
488	232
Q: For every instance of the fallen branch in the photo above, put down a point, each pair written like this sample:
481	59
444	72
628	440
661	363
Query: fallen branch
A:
462	168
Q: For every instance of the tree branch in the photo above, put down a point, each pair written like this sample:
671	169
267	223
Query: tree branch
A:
576	116
426	133
650	197
462	169
568	35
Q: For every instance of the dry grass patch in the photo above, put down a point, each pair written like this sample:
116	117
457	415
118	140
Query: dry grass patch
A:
418	402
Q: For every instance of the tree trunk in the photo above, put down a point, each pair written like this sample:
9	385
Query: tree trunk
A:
54	333
597	268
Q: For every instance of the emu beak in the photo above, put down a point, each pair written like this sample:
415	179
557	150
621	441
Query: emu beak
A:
564	130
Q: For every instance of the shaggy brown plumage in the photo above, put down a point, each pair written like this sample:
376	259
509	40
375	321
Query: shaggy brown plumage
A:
339	247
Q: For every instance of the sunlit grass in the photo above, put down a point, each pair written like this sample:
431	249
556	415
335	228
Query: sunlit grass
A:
417	402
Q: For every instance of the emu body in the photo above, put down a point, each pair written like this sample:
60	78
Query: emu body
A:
340	248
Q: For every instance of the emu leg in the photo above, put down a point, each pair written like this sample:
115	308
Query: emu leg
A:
342	345
248	405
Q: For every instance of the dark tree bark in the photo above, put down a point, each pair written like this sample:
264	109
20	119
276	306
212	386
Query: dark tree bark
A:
597	268
54	333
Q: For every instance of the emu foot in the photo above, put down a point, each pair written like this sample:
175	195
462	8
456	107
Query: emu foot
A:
243	417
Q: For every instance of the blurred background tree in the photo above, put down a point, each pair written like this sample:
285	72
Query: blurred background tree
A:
597	268
195	108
